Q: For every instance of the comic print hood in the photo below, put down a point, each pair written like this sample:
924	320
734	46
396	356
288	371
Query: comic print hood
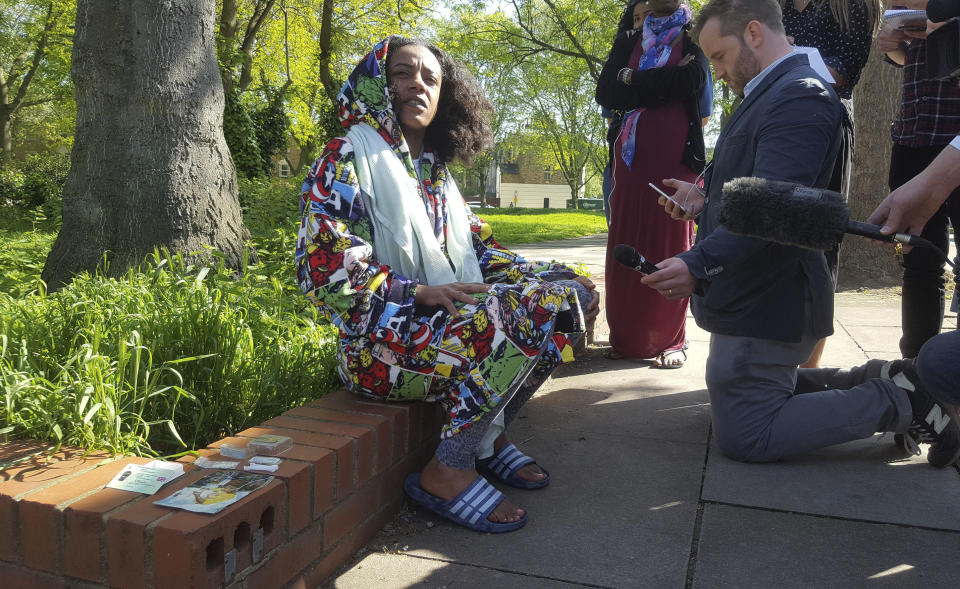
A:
365	98
419	214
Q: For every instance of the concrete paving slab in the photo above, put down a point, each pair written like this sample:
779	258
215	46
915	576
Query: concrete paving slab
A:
868	479
842	351
594	370
615	508
745	548
877	338
395	571
887	314
694	333
678	417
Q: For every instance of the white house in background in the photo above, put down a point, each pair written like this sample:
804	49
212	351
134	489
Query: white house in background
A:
523	181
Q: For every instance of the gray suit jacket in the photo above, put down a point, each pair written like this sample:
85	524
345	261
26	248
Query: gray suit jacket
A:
788	129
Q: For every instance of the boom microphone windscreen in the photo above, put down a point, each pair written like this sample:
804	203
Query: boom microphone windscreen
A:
792	214
784	212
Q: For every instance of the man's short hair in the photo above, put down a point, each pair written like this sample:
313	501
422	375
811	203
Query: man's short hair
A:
734	15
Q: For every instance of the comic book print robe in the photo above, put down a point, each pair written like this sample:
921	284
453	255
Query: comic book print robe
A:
389	348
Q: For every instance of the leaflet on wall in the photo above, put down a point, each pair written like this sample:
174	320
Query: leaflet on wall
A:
216	491
146	478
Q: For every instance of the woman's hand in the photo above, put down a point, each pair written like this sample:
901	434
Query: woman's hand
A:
445	294
593	308
688	195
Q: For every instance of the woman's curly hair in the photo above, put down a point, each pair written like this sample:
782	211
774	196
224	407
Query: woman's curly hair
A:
626	18
461	127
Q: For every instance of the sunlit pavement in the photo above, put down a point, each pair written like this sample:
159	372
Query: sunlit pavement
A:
641	497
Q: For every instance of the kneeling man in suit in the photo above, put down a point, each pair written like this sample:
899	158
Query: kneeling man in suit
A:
766	305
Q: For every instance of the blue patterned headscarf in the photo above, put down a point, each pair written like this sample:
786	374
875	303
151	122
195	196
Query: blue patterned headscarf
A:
659	33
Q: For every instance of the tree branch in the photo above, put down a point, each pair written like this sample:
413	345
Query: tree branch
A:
324	47
228	35
37	102
562	23
260	12
38	54
531	37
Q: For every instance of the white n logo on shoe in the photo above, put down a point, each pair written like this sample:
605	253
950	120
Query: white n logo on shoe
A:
937	419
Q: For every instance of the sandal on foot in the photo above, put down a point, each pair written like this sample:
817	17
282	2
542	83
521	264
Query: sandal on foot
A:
503	465
612	354
469	509
662	358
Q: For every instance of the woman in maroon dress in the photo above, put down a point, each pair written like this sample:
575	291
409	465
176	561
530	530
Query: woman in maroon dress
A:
655	74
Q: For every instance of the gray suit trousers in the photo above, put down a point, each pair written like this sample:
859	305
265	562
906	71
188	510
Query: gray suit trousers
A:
763	412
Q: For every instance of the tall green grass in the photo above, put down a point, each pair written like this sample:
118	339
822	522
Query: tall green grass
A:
168	357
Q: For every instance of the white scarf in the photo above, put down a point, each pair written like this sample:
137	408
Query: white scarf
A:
403	235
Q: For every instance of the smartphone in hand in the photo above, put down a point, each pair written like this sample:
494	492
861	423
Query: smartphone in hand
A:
668	197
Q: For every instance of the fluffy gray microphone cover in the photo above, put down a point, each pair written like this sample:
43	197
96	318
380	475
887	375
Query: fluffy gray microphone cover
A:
784	212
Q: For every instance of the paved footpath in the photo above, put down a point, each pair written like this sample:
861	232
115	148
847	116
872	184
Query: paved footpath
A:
641	497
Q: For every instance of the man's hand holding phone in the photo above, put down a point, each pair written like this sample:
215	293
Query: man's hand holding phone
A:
686	202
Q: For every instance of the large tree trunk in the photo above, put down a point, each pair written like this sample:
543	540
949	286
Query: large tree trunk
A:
876	101
150	166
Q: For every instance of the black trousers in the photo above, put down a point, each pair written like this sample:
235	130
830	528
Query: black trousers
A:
922	302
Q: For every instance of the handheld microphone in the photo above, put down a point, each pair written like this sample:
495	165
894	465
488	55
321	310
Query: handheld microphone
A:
792	214
628	256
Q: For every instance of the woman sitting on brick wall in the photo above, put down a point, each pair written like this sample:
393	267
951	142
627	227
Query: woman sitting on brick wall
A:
428	305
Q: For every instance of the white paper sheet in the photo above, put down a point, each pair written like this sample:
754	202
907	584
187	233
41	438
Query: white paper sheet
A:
816	62
147	478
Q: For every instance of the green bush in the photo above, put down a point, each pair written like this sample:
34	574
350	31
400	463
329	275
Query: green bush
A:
270	203
254	134
170	357
104	362
37	181
240	133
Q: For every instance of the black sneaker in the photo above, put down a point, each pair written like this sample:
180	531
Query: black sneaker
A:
934	422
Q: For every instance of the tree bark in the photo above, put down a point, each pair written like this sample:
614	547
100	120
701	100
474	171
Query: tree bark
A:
876	102
324	50
150	167
6	130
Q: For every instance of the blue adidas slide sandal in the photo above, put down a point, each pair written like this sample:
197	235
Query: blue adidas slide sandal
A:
503	465
470	508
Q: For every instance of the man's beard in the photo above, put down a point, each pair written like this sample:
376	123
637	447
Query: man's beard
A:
745	69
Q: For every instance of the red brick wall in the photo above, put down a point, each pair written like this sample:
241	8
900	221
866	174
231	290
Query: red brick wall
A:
336	488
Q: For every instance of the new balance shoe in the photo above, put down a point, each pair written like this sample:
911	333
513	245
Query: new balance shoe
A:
934	422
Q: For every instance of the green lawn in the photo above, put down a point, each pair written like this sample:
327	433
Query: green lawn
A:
516	226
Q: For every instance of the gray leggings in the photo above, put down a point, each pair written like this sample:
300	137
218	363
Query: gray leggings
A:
460	451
